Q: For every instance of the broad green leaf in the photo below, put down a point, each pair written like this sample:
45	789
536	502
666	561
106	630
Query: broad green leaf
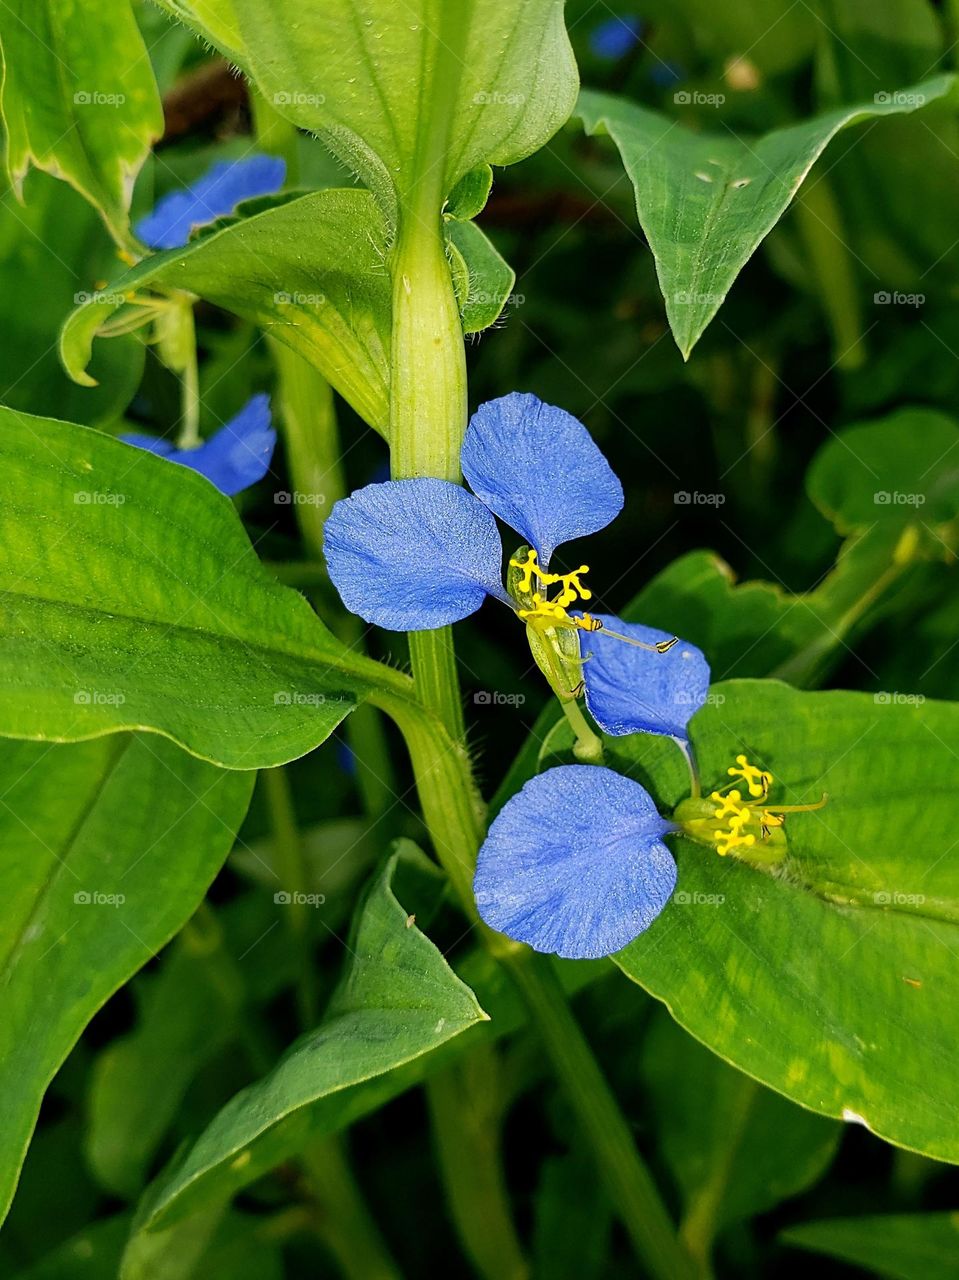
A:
398	1000
755	628
133	599
901	1246
705	202
310	271
901	468
483	279
733	1148
832	977
105	850
50	250
411	94
79	99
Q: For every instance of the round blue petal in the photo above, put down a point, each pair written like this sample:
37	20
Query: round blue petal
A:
413	555
614	38
575	864
237	456
630	690
538	469
217	193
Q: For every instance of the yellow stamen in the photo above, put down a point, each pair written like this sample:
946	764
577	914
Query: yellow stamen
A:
757	780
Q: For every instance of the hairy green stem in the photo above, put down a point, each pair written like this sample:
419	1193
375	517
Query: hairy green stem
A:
428	413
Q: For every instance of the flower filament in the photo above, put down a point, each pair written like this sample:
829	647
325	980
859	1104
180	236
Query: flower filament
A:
739	819
555	611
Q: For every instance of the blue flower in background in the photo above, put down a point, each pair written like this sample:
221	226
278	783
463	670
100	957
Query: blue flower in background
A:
234	458
575	863
413	555
216	194
614	38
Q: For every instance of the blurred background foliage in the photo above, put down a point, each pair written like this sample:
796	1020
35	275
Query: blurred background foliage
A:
805	346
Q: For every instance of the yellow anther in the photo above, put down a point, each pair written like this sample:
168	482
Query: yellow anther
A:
757	780
770	819
726	804
571	589
726	841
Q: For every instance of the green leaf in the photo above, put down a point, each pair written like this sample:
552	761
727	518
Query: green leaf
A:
132	599
734	1148
50	251
902	1246
413	96
398	1000
310	271
483	279
706	201
755	628
831	977
79	99
901	468
106	850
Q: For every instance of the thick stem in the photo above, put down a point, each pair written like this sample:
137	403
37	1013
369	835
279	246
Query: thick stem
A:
428	412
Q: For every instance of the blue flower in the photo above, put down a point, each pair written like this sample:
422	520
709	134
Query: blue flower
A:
614	38
575	863
413	555
234	458
217	193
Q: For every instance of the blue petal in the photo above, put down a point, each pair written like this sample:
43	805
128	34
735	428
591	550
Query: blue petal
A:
575	864
236	457
413	555
218	192
615	37
538	469
631	690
